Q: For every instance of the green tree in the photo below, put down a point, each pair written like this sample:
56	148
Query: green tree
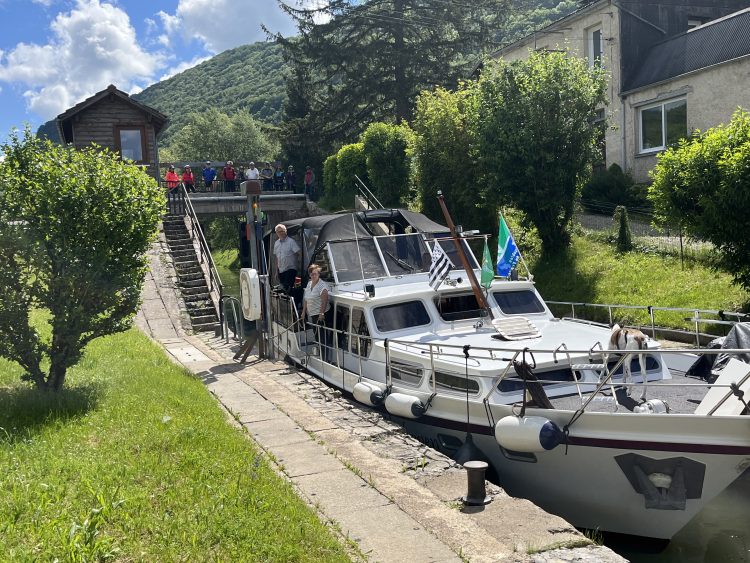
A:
386	152
74	229
350	160
624	235
535	139
369	60
213	135
701	185
443	154
330	173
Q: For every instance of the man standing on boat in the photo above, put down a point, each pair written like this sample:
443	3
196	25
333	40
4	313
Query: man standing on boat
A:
287	254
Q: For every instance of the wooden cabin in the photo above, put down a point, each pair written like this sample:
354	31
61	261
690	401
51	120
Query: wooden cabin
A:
112	119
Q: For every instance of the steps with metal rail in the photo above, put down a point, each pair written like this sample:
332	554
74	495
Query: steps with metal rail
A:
191	280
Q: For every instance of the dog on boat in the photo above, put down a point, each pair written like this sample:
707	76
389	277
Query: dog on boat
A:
630	339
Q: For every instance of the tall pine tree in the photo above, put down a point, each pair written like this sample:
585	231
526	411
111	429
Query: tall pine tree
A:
367	60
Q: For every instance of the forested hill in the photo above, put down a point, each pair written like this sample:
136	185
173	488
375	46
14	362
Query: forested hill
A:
248	77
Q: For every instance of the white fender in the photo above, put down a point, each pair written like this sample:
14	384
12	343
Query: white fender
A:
403	405
368	393
527	434
250	294
652	406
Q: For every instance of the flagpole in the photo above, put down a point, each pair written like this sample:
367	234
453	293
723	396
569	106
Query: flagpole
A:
481	301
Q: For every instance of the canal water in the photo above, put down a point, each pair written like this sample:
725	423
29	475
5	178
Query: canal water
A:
720	533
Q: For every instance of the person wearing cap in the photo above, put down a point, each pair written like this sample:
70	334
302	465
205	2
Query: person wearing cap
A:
209	175
188	180
230	175
266	175
171	178
252	172
287	253
290	178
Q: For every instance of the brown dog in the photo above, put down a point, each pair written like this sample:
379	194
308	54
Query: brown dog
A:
630	339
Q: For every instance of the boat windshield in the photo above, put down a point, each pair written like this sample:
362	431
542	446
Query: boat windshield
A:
389	255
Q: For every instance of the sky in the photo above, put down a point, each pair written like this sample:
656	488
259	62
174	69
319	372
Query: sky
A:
55	53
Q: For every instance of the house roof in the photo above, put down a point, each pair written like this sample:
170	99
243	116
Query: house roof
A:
159	119
715	42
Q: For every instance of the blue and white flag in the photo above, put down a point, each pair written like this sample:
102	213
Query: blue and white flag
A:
507	251
440	267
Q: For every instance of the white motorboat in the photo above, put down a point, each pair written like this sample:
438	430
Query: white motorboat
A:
470	385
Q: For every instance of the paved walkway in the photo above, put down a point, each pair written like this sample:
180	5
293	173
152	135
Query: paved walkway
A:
375	485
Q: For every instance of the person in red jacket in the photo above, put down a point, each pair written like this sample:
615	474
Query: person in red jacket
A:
230	175
171	178
187	179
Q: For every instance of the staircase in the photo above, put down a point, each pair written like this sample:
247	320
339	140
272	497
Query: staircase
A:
191	280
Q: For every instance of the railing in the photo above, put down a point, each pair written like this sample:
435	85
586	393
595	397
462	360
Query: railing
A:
179	203
698	317
369	197
238	319
217	187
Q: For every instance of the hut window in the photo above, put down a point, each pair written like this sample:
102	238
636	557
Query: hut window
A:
131	143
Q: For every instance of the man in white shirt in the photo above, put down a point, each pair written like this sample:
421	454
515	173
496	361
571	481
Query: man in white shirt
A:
287	254
252	173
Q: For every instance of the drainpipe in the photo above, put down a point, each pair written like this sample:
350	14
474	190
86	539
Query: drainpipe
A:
624	149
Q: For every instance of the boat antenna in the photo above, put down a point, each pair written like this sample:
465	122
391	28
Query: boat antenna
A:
359	255
481	301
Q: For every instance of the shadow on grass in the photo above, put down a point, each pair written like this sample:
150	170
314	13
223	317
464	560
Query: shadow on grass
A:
558	278
25	410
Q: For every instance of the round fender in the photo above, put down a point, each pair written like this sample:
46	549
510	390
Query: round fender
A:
527	434
250	294
406	406
368	393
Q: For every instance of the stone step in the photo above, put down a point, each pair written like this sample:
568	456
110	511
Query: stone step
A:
186	261
188	250
181	246
204	319
208	327
205	297
188	267
191	277
199	290
201	311
183	241
198	282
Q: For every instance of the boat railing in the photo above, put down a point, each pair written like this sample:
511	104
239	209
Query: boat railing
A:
231	307
698	317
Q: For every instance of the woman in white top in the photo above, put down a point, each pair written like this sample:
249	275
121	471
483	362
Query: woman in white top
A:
315	303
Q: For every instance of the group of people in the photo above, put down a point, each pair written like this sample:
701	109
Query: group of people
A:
272	179
316	306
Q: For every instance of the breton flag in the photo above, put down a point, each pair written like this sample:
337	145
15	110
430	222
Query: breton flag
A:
439	267
507	251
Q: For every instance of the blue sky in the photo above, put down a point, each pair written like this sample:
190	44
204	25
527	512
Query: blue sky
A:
55	53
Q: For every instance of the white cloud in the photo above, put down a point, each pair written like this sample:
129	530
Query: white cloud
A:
224	24
183	66
91	46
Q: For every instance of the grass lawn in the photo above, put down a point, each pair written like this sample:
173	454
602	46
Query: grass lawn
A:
592	272
229	271
135	461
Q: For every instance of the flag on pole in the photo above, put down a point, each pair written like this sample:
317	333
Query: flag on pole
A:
439	267
507	251
488	272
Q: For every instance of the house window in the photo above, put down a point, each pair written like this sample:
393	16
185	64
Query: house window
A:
131	143
663	125
595	48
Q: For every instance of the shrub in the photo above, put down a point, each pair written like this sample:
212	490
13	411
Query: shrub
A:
350	160
385	148
611	188
330	172
624	236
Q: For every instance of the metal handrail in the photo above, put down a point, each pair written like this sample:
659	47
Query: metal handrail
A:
239	320
204	254
367	194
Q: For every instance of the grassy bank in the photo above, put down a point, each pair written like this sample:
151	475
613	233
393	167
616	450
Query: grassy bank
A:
592	272
227	265
135	461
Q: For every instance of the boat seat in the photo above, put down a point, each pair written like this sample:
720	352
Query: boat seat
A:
734	372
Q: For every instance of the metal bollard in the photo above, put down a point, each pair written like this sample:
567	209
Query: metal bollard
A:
476	494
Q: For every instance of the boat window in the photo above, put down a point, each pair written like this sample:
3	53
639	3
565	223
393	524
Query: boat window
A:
518	302
361	343
400	316
346	260
342	327
458	307
515	383
405	254
454	382
450	249
407	373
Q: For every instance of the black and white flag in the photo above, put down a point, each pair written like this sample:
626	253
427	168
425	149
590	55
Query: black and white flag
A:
439	267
